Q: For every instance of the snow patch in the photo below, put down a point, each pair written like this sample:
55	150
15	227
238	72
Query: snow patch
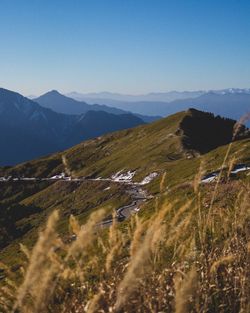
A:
59	176
146	180
240	168
213	176
123	177
5	179
210	177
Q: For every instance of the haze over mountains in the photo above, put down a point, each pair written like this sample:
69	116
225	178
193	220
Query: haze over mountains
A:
232	102
153	96
63	104
53	122
28	130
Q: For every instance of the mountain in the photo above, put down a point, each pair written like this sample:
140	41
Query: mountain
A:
232	102
109	97
63	104
150	171
231	105
96	123
147	148
175	145
28	130
106	97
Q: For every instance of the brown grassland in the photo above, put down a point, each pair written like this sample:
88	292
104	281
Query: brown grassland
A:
187	257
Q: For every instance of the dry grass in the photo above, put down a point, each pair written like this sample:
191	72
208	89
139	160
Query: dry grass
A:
168	263
191	257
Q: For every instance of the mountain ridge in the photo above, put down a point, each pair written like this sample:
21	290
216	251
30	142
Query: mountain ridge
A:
231	103
62	104
152	96
181	136
28	130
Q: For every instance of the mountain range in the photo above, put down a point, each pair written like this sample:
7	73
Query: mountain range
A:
164	163
174	145
53	122
153	96
63	104
183	136
28	130
232	103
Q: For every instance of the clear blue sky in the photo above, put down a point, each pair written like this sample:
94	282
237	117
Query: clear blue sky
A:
127	46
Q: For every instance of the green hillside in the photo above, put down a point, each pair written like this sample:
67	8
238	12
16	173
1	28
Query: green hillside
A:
177	148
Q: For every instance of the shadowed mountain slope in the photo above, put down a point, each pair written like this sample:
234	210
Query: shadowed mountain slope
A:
28	130
204	132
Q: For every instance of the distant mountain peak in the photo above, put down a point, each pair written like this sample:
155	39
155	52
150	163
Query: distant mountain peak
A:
63	104
29	130
52	92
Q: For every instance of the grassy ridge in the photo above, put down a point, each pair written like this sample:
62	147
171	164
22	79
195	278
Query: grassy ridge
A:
147	148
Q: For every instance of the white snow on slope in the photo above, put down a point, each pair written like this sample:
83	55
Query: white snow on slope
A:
59	176
240	168
125	177
148	178
213	176
209	179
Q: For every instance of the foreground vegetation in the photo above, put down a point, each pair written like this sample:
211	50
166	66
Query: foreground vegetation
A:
185	256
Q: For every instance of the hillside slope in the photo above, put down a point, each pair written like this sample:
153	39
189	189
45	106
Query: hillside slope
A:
161	159
143	149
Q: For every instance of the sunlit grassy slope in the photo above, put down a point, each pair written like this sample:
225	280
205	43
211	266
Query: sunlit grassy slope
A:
164	146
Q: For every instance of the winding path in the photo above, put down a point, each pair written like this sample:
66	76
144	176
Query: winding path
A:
137	194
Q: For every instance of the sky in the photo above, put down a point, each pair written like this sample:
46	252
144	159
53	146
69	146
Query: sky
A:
124	46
